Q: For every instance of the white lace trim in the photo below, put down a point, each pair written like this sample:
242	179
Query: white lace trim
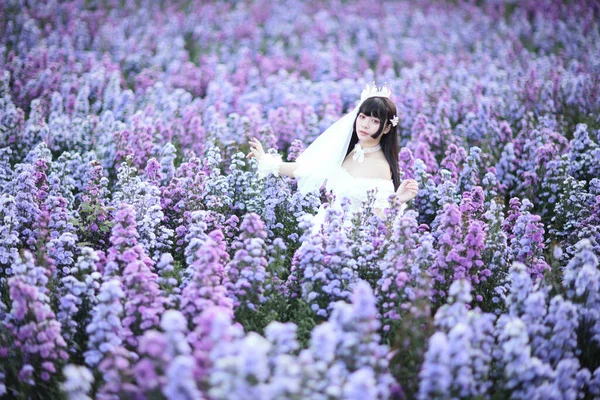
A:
269	164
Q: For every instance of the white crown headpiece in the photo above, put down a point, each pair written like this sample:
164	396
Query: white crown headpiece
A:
374	91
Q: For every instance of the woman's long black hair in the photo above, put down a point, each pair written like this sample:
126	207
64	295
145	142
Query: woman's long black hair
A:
383	109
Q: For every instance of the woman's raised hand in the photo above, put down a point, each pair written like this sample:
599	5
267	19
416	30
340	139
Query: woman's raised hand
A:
256	149
408	190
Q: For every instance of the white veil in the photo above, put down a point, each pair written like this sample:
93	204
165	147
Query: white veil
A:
325	154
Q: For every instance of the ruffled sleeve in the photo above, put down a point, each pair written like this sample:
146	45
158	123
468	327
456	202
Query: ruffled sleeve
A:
384	191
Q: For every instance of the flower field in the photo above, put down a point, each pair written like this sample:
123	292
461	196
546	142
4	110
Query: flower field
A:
142	258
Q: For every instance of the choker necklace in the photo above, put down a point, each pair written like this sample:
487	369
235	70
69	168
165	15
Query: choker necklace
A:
359	152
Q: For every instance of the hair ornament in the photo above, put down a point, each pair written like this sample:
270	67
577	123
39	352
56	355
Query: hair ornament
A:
374	91
394	120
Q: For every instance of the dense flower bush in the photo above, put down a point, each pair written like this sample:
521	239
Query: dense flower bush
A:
142	257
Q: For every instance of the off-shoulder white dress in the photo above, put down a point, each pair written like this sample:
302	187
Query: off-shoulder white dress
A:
343	185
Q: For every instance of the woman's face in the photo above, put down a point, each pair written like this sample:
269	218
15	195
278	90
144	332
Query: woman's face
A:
366	127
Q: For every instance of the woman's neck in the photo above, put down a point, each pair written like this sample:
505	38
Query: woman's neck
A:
369	145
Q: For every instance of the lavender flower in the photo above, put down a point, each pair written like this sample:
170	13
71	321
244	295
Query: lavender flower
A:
35	330
561	344
426	201
244	190
78	382
295	149
77	294
521	286
167	165
594	382
361	384
461	365
247	270
216	185
27	205
523	373
62	245
244	372
283	338
93	214
495	259
207	284
454	158
195	237
581	280
36	129
116	370
5	167
154	236
180	380
395	288
105	329
144	303
450	248
584	152
327	275
214	336
9	231
469	176
68	175
435	376
168	279
526	238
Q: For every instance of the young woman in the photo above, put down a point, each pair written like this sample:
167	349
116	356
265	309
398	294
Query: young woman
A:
356	154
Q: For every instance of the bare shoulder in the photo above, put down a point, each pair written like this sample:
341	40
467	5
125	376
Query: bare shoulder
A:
380	169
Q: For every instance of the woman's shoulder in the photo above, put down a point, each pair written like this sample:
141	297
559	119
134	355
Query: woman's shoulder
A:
381	169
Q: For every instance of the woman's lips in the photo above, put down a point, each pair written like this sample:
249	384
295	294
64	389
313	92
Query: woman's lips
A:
363	133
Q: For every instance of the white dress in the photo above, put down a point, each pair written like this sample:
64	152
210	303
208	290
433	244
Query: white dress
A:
343	185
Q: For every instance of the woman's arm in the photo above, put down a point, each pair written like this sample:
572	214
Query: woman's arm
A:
408	190
287	168
256	150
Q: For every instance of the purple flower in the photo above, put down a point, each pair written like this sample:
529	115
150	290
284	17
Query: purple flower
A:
247	270
106	329
283	337
399	278
469	176
93	213
360	385
458	256
167	166
526	237
435	377
454	158
207	283
295	149
522	373
562	319
36	334
581	280
583	155
180	380
9	230
78	382
323	266
144	196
